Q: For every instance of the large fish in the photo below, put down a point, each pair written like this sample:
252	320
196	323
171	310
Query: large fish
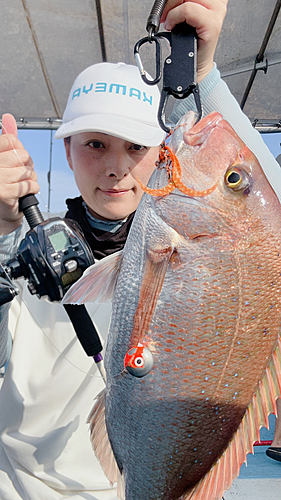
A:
193	359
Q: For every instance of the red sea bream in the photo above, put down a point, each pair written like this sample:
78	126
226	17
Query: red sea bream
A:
194	354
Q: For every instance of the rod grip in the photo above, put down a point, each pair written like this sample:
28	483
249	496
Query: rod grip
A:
28	205
84	328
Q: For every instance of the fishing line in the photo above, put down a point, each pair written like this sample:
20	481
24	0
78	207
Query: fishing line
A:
56	348
41	329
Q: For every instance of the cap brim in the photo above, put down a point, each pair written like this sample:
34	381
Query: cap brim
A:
125	128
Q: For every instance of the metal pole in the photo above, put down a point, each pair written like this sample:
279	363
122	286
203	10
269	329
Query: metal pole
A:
50	170
260	55
101	30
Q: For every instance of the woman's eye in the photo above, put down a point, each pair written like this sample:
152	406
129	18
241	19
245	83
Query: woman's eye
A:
95	144
137	147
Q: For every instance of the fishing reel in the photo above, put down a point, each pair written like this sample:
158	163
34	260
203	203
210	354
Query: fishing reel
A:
51	257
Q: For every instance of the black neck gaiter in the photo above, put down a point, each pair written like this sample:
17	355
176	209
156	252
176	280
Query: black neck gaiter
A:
102	243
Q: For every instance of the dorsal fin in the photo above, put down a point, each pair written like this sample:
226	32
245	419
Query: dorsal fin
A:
227	468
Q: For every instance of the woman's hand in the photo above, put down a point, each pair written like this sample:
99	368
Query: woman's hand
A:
17	176
206	16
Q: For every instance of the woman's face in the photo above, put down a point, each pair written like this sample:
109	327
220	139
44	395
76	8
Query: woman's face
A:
106	169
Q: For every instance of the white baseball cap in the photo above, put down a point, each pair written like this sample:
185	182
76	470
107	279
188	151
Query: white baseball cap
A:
113	99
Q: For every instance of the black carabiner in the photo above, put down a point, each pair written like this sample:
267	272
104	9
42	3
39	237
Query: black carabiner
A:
180	67
149	39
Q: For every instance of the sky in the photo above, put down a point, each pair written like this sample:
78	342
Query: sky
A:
37	143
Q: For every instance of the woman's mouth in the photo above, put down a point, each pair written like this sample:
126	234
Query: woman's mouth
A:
115	192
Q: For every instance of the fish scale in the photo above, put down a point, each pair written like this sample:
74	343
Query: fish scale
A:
225	413
199	287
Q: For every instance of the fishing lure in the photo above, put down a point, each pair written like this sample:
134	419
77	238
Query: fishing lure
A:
174	177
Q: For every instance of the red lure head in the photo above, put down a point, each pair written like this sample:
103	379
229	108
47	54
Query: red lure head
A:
138	361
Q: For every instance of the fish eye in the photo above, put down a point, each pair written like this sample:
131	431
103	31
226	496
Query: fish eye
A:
236	179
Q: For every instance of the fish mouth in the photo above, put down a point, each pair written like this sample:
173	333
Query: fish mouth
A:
189	199
198	134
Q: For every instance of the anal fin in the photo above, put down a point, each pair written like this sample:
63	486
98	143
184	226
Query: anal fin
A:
102	447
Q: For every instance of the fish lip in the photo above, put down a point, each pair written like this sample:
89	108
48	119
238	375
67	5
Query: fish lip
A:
193	199
197	135
190	200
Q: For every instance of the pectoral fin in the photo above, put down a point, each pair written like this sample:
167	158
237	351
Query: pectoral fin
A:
155	268
97	283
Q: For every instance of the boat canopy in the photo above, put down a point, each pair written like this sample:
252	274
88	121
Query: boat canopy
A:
46	43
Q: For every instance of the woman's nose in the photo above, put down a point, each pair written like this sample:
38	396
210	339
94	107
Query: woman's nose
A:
118	166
